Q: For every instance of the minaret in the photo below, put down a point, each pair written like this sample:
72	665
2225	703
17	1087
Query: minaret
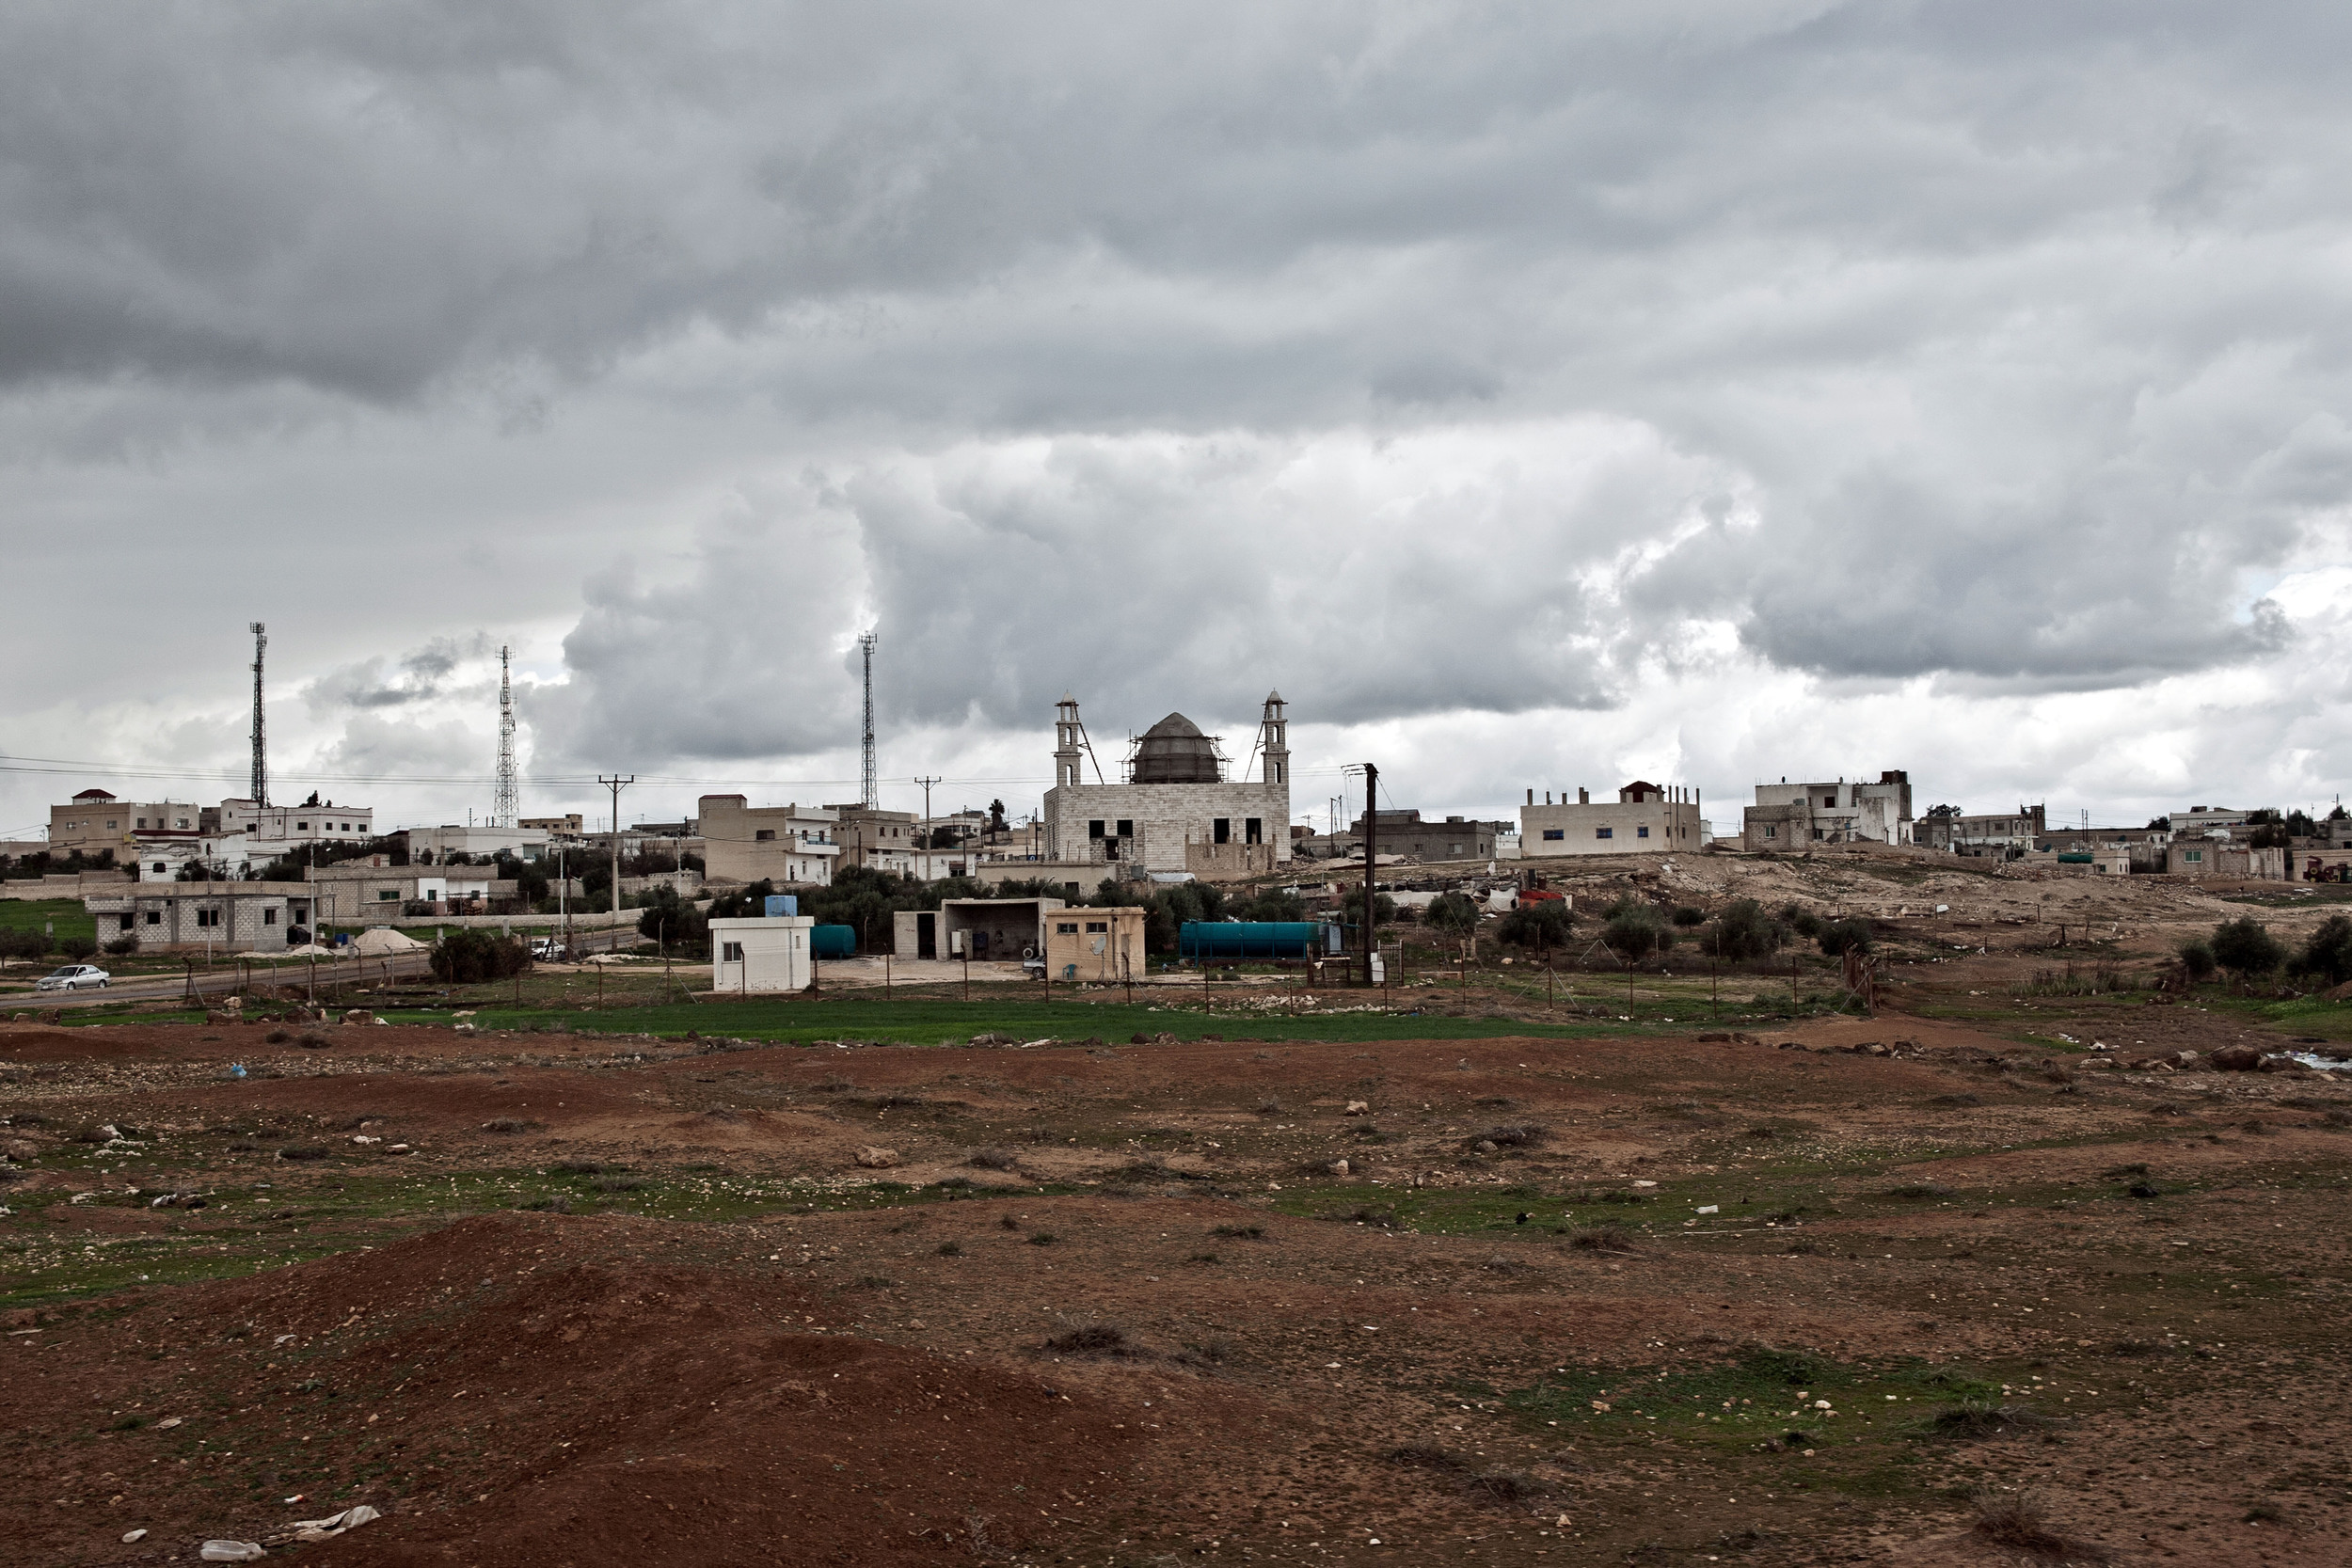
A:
1277	741
1067	734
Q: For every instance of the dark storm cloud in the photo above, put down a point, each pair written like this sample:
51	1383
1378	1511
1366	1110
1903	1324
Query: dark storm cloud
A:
1410	358
421	676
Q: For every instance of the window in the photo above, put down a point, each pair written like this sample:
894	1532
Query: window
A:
2197	855
1604	833
1065	927
385	895
299	827
1253	830
1771	832
155	917
763	835
269	917
730	951
1222	829
1555	833
1094	828
1641	832
126	923
183	822
110	822
208	917
142	821
1097	926
161	867
1127	828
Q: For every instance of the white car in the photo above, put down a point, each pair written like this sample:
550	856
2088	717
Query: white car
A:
76	977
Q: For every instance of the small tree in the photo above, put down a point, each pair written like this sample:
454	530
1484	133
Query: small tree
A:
1689	915
77	948
2244	947
1743	931
1844	936
1454	913
2327	956
1539	924
1635	931
2197	960
667	918
468	956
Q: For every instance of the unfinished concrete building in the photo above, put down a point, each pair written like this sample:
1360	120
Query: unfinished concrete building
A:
1644	819
1797	816
1173	810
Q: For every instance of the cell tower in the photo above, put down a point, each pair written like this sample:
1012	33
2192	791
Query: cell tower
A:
508	802
261	749
871	796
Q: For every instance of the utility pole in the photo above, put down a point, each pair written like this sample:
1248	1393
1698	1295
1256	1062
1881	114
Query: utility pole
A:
1371	819
927	784
616	784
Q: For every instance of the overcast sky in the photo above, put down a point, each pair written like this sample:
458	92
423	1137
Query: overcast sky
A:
1539	396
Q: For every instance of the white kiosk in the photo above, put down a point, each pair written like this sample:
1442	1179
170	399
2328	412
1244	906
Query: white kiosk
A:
762	954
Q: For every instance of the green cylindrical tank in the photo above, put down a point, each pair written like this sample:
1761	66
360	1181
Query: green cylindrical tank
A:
832	941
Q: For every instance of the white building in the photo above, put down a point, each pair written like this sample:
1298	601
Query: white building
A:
312	823
1644	819
761	954
434	846
793	844
1797	816
1173	810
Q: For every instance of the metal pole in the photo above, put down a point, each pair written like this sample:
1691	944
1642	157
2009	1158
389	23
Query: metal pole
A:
1372	819
885	973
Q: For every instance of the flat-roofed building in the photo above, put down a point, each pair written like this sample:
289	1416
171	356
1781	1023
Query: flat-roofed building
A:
1797	816
223	917
1644	819
793	844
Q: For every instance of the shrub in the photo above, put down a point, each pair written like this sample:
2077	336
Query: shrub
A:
1093	1339
1983	1417
2245	947
76	948
303	1151
123	948
578	1167
2016	1520
276	1037
548	1205
466	956
1744	930
509	1124
22	944
2326	955
950	1250
1843	936
993	1158
1690	914
1602	1238
1508	1486
2197	960
1240	1232
1516	1135
1044	1238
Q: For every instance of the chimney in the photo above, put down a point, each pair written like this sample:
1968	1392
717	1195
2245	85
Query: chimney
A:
1531	795
1584	797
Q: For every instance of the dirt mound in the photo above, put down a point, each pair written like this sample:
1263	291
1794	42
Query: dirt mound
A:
511	1390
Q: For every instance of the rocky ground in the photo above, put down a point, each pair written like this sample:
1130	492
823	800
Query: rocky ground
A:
1830	1290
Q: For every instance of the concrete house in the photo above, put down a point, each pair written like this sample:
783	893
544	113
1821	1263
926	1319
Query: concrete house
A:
368	892
224	917
2001	834
1173	810
1644	819
1797	816
1094	945
789	845
1404	832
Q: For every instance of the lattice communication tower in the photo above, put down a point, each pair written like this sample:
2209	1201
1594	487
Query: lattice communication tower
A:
261	748
507	805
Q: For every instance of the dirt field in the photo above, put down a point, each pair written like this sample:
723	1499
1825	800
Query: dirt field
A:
1655	1294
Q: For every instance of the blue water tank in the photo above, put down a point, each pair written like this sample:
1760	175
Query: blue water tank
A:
783	903
1248	938
832	941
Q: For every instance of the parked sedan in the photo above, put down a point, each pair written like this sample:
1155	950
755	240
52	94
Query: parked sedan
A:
76	977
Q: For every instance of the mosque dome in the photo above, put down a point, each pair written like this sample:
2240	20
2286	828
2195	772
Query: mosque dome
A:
1175	751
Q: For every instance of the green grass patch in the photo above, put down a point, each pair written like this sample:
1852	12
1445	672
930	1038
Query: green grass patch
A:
32	914
938	1023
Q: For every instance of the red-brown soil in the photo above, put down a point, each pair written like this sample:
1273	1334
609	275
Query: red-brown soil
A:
801	1378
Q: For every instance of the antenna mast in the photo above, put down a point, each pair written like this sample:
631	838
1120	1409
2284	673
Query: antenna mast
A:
871	796
507	803
261	749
